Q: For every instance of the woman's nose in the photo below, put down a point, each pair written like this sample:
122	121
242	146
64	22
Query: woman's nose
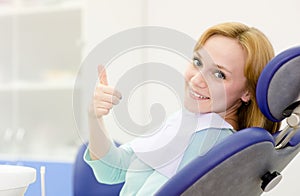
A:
199	80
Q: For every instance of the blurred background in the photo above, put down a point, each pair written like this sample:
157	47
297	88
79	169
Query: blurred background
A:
44	42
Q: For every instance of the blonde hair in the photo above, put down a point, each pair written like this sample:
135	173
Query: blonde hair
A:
259	52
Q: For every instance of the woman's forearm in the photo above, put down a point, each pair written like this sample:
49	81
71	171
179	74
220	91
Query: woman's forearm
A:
99	139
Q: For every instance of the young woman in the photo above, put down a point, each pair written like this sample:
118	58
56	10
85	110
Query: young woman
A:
220	85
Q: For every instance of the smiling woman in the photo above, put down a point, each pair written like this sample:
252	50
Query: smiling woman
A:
219	99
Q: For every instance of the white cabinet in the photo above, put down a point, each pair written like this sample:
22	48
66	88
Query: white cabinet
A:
40	54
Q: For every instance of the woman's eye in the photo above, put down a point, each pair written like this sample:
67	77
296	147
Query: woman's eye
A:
197	62
220	74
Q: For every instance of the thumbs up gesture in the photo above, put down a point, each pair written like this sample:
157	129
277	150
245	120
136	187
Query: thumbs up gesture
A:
105	96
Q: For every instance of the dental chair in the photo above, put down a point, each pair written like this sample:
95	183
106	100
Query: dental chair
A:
248	162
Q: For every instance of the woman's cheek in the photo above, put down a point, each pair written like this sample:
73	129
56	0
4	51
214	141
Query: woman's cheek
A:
218	97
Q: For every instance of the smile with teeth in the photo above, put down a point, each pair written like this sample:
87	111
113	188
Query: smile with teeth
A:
197	95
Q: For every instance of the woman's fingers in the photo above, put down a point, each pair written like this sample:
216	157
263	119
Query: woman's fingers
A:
103	103
110	90
104	97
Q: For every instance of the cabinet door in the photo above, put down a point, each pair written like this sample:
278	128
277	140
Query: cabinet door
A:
49	53
40	53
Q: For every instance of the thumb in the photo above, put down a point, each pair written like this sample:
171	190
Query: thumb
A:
102	75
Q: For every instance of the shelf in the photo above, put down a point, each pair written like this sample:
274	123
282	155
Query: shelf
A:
68	156
7	10
38	86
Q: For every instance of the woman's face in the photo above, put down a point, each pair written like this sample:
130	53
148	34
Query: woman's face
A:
215	80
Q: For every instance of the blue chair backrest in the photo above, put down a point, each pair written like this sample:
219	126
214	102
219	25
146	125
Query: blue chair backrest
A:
84	181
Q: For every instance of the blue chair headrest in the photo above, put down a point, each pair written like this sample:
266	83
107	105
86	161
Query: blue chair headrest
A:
278	87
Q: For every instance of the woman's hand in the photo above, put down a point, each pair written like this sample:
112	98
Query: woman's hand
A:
105	96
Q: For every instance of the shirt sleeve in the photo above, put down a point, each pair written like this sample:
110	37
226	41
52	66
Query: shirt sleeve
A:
112	168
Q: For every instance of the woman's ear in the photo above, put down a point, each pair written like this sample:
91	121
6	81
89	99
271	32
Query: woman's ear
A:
246	97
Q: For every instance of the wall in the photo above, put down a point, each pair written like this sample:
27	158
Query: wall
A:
277	19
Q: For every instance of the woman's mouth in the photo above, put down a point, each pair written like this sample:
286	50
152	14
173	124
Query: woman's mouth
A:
198	96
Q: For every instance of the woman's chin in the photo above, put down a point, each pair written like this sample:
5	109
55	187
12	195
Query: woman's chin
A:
192	109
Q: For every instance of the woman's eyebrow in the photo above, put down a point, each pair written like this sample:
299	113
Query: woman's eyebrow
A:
197	54
202	57
223	68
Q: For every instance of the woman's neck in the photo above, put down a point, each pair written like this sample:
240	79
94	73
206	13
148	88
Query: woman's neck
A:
233	120
231	117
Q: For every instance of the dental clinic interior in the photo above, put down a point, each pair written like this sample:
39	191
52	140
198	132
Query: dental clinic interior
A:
43	45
